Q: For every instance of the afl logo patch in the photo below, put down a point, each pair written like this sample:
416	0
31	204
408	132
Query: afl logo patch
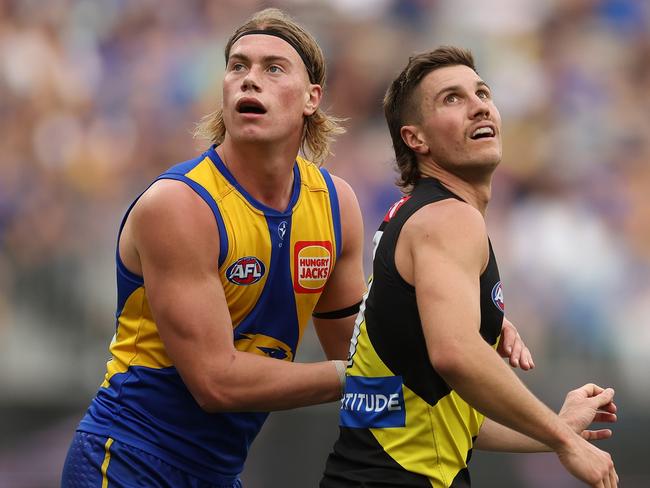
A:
246	271
497	296
312	261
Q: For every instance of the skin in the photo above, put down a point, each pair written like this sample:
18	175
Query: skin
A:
450	236
582	406
260	149
170	237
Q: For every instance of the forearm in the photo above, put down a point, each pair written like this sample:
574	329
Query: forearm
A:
334	335
496	437
247	382
487	383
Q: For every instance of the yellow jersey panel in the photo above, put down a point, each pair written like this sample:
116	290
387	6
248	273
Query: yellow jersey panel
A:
136	342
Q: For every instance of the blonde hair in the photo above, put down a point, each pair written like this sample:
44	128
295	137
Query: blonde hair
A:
319	128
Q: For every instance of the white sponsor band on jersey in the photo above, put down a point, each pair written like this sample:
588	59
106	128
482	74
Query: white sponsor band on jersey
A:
370	402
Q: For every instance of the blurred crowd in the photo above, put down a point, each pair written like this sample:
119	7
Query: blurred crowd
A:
98	97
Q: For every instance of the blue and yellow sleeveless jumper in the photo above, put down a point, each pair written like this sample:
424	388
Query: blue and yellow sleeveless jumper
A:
273	265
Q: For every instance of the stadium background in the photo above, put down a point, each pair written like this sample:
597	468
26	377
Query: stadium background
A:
97	98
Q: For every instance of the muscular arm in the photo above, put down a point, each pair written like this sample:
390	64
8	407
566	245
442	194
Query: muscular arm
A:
449	306
346	284
174	235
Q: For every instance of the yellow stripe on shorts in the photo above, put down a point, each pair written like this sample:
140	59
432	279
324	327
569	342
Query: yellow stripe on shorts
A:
107	459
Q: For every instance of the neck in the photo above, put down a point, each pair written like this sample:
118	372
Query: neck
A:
476	190
265	171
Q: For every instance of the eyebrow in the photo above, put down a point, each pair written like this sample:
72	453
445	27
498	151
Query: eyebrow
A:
454	88
272	58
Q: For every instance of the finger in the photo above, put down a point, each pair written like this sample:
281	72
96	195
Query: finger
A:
607	417
613	477
604	398
515	355
589	390
508	336
530	360
596	435
526	360
610	407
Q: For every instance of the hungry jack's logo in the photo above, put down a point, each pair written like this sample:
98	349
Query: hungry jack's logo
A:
312	262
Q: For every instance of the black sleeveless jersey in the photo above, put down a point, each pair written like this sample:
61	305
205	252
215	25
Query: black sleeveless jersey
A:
401	425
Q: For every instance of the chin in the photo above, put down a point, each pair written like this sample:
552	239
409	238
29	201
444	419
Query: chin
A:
478	169
254	136
489	159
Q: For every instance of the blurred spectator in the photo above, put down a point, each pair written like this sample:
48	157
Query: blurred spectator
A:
96	98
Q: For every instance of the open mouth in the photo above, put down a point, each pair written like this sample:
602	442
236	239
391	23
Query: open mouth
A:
250	106
482	133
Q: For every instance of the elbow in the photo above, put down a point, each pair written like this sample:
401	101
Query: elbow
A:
214	402
214	393
448	361
218	397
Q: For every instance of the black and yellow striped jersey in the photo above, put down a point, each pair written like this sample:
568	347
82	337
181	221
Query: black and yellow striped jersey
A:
401	425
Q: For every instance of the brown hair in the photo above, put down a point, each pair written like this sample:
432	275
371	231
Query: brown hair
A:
401	104
319	128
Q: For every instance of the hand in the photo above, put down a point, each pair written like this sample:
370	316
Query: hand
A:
589	464
587	404
512	347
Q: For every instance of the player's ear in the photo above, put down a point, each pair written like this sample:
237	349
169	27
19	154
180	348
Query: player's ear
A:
313	98
412	137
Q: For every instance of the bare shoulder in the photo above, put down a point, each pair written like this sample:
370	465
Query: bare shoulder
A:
447	217
450	227
351	220
344	191
172	218
166	198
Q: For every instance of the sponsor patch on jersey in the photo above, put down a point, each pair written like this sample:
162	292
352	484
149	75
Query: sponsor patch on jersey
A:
312	262
497	296
373	402
246	271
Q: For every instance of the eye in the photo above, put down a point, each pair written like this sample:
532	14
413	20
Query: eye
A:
237	67
451	98
484	94
274	68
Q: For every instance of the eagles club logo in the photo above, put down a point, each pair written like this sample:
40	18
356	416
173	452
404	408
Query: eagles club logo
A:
263	345
246	271
497	296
